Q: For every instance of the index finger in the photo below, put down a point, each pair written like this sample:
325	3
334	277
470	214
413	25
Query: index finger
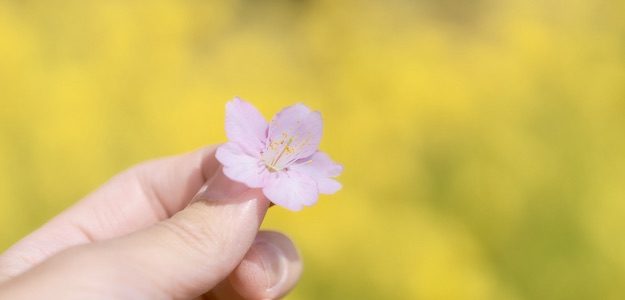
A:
132	200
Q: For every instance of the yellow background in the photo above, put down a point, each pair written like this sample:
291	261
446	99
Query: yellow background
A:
483	141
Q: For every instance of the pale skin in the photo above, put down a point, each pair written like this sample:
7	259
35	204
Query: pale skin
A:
173	228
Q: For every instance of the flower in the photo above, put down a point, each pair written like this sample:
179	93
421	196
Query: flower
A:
281	157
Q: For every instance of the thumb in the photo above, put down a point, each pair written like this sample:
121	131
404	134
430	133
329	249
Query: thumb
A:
181	257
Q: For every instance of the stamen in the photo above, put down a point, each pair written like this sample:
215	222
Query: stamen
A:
285	151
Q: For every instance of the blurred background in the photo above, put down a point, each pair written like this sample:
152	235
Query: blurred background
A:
483	141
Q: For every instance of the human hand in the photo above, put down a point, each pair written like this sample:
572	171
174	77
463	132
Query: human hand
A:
137	237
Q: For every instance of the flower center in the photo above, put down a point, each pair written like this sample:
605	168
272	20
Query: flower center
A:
279	154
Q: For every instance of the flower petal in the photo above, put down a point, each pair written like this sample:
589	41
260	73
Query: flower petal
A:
240	166
291	190
294	133
246	126
328	186
321	168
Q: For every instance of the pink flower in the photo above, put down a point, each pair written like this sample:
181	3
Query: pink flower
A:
281	157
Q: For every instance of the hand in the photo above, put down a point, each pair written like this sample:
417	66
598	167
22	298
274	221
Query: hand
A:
137	237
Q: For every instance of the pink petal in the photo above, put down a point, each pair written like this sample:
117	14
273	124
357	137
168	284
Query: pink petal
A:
291	190
297	127
328	186
245	126
321	168
240	166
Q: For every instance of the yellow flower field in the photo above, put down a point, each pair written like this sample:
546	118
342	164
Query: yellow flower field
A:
483	141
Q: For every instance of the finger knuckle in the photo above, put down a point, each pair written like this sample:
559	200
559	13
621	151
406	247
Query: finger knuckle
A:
195	235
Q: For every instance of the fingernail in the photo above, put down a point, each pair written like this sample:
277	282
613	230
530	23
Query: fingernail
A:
271	260
219	187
